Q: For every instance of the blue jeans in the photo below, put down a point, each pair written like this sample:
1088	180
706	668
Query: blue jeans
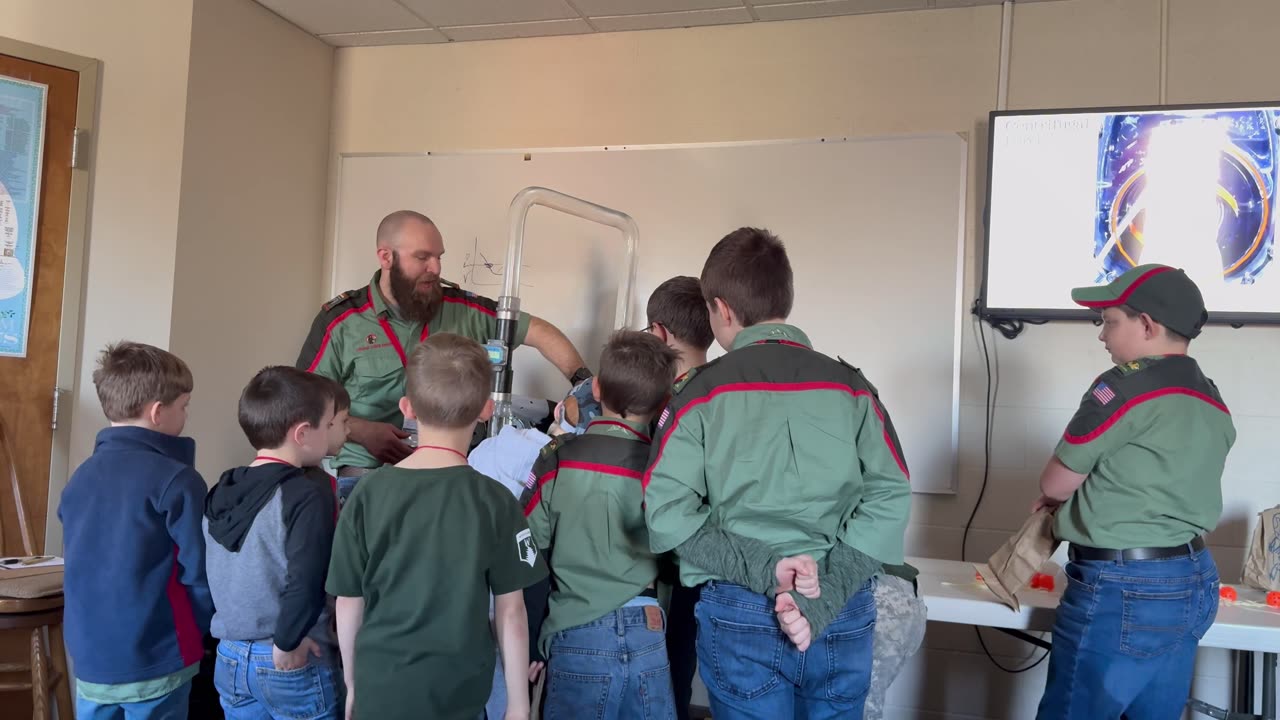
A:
166	707
613	667
1124	642
250	687
752	671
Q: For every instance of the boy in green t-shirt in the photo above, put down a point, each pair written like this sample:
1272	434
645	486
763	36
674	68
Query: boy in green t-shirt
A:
418	549
1137	482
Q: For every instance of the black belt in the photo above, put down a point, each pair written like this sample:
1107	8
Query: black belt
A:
649	593
1084	552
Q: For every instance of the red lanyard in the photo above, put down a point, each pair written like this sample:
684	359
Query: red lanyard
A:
438	447
268	458
395	341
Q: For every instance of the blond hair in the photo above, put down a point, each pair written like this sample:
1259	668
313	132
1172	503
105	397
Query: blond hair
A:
447	381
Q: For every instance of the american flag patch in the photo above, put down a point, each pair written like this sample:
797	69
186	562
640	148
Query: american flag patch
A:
662	419
530	481
1104	394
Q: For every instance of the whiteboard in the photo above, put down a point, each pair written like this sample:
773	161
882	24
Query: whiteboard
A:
873	228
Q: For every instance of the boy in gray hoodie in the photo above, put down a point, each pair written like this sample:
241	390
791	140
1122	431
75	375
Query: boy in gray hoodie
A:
268	534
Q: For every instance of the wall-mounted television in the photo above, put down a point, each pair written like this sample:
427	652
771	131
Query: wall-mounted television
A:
1077	197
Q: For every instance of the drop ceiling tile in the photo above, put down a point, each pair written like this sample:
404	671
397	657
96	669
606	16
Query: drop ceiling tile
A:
320	17
488	12
830	8
966	3
593	8
517	30
619	23
385	37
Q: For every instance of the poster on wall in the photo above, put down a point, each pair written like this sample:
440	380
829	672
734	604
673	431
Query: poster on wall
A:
22	120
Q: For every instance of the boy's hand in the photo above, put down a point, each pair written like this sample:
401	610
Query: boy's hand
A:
1044	503
535	669
794	624
798	573
351	703
297	658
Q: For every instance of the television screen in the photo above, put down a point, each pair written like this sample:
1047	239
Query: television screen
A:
1078	197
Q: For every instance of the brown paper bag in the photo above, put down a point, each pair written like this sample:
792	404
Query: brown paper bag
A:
1262	561
1011	568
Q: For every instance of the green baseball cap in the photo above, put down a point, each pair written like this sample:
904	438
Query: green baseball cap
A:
1166	294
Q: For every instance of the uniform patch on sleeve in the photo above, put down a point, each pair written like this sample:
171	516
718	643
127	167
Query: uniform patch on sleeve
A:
530	481
682	381
1103	393
340	298
525	549
662	419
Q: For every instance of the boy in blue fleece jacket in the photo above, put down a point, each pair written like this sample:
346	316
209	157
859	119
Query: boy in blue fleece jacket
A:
137	601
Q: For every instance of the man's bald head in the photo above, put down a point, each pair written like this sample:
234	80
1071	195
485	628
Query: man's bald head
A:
391	227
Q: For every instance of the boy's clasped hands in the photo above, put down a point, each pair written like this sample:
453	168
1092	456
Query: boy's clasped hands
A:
799	574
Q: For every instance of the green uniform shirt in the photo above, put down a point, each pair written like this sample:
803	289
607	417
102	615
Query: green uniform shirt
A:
1152	436
583	503
777	442
360	341
424	548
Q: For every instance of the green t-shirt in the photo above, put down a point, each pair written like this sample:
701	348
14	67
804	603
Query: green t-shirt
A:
424	548
360	341
135	692
1152	435
583	502
777	442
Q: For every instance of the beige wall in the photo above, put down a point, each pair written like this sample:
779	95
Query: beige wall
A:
923	71
251	221
137	163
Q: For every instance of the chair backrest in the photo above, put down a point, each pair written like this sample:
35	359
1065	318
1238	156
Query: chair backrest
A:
24	528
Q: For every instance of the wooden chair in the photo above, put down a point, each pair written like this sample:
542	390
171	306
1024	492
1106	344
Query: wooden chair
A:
47	661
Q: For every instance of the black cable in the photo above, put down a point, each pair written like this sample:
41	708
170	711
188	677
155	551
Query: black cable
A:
993	389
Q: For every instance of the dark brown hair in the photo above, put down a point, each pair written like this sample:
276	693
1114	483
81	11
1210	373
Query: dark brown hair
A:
749	270
636	372
280	397
678	306
1130	313
447	381
131	376
341	398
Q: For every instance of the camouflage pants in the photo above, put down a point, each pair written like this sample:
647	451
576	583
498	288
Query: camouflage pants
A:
900	621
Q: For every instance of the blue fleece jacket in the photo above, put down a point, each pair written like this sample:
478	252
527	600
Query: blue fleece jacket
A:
137	600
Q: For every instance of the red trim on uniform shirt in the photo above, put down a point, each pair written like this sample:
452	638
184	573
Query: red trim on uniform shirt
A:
1124	296
631	430
1120	411
190	639
472	305
775	387
328	332
792	343
395	341
537	493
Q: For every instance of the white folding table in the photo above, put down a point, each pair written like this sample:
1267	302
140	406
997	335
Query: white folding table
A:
953	595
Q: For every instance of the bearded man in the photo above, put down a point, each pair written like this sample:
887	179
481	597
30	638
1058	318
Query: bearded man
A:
362	338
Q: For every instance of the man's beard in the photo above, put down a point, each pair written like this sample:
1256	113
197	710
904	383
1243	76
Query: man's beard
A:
415	304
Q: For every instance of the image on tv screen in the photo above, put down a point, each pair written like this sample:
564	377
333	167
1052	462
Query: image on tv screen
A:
1079	198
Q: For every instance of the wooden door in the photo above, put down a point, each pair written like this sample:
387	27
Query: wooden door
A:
27	383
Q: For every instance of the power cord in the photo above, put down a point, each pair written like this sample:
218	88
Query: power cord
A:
1010	329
